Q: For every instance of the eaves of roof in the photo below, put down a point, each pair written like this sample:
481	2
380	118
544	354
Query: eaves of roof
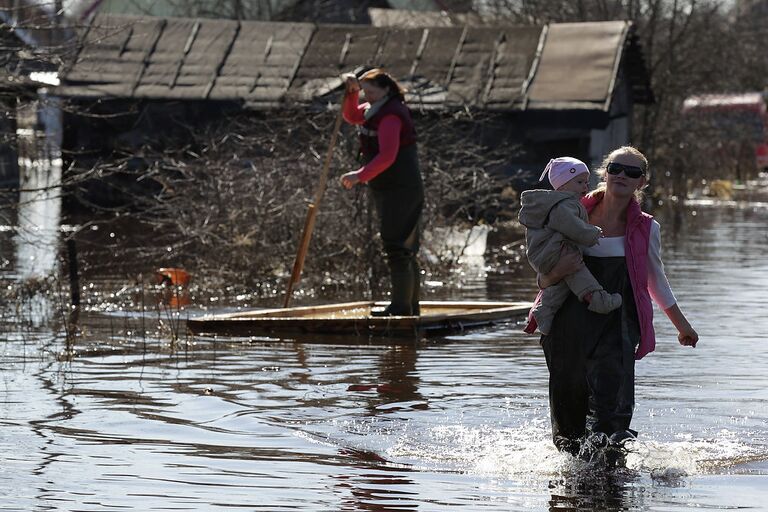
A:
263	64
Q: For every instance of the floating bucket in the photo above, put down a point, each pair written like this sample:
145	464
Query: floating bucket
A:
172	276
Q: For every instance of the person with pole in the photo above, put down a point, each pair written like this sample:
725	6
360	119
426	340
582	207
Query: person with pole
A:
391	171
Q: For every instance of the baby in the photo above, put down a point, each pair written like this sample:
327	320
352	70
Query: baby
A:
556	217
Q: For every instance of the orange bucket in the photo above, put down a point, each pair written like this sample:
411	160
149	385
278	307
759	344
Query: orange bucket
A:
172	276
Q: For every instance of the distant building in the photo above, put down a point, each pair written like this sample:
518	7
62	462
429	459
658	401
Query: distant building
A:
561	89
731	124
578	67
753	9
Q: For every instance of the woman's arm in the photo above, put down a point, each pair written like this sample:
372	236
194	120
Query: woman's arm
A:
661	292
658	285
389	145
685	333
570	262
352	112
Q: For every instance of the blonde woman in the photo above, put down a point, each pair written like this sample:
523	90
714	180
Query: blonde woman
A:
591	356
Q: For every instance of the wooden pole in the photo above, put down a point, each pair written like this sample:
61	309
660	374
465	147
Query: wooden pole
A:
309	223
74	275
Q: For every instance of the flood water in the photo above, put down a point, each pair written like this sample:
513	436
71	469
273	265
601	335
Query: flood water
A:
130	421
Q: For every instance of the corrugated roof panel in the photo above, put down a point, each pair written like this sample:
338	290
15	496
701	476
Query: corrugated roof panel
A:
578	63
186	59
161	69
512	57
425	94
112	55
433	67
438	52
400	49
470	72
334	49
262	61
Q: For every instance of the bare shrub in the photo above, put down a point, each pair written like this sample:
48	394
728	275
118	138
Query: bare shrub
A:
231	201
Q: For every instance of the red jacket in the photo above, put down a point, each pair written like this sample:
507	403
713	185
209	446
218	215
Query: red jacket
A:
369	144
381	136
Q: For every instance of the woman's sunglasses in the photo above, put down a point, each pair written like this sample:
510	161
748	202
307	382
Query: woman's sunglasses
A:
630	171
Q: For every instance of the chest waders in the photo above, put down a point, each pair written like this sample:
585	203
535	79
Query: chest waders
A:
398	194
590	357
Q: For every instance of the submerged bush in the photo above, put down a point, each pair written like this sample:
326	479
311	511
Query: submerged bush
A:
231	200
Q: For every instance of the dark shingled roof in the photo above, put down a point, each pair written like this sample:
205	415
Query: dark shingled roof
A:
178	58
262	62
559	66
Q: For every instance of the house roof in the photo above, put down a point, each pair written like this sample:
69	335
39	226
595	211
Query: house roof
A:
577	64
559	66
747	101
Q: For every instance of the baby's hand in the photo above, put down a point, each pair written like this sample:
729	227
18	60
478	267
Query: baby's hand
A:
597	236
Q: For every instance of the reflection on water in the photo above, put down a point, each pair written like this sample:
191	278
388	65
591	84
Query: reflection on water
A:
37	232
377	492
135	422
586	489
39	210
35	237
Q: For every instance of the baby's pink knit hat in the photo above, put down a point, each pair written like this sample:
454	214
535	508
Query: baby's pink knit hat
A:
562	170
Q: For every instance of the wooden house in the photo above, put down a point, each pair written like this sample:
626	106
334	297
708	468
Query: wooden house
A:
562	88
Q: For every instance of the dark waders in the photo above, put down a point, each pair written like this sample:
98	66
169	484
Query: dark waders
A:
591	362
398	194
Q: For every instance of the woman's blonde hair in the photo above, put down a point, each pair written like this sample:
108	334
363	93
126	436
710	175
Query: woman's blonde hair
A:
623	150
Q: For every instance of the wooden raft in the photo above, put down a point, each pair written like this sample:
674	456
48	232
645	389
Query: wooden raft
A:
353	318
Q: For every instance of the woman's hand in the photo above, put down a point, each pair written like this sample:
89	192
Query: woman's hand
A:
350	179
569	263
686	335
350	82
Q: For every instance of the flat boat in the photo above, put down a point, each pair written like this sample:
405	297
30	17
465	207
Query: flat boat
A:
354	318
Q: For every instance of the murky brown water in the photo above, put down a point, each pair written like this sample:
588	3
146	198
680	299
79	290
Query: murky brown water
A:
133	422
